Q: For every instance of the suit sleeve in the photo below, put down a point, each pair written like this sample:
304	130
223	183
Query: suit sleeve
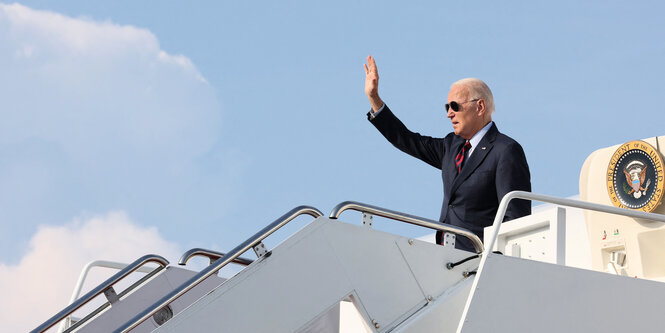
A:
513	174
429	150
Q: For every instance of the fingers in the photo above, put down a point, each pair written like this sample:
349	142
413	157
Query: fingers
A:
368	68
372	63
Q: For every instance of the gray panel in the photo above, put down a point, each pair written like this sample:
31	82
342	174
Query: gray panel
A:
442	315
279	293
428	262
379	274
317	268
518	295
150	292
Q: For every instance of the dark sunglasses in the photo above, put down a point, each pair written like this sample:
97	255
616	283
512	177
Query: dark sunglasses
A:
455	106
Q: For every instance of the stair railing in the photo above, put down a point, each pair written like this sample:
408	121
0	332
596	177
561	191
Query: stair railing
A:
66	324
403	217
211	255
105	287
503	206
254	242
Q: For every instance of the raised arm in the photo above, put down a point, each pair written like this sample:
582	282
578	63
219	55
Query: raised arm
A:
372	84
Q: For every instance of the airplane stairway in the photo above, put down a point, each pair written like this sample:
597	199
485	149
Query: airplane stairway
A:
397	284
387	277
297	285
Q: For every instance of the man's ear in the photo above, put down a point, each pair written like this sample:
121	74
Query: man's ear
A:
481	108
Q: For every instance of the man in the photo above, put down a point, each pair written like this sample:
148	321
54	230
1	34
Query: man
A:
479	165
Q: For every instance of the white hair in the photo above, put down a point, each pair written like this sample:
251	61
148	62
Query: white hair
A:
478	89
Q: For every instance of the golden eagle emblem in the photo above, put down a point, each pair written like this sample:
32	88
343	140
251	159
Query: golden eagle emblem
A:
636	173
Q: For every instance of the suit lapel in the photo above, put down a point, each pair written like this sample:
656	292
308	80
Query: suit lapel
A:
479	153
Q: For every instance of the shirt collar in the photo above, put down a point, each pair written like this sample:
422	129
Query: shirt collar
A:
475	139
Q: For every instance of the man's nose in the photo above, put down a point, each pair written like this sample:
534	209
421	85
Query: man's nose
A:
450	113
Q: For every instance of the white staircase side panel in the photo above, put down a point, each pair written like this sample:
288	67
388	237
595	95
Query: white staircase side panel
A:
384	267
518	295
278	293
442	315
151	291
389	277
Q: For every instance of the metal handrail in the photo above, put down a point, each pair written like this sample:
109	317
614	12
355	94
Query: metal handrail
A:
84	275
74	327
403	217
217	265
101	288
503	206
210	254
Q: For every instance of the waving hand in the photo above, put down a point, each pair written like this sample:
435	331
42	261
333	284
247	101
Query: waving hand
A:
372	84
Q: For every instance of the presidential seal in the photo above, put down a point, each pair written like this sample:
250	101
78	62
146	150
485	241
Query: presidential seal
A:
635	176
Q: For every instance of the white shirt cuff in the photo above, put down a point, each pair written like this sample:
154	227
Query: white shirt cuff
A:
374	114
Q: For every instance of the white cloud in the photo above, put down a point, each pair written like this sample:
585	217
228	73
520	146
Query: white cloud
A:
59	35
43	281
82	83
96	116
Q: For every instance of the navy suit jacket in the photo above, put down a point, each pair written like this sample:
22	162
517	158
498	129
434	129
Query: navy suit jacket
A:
470	199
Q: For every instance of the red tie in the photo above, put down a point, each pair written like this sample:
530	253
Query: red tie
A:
459	159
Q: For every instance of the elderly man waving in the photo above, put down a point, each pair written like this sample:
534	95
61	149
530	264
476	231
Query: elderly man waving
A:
478	164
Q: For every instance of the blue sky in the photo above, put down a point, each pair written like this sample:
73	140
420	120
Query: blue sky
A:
212	119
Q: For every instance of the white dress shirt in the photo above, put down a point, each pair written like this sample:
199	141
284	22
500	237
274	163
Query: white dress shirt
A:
475	139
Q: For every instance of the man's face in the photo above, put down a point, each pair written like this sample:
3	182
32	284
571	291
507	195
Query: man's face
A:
467	120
